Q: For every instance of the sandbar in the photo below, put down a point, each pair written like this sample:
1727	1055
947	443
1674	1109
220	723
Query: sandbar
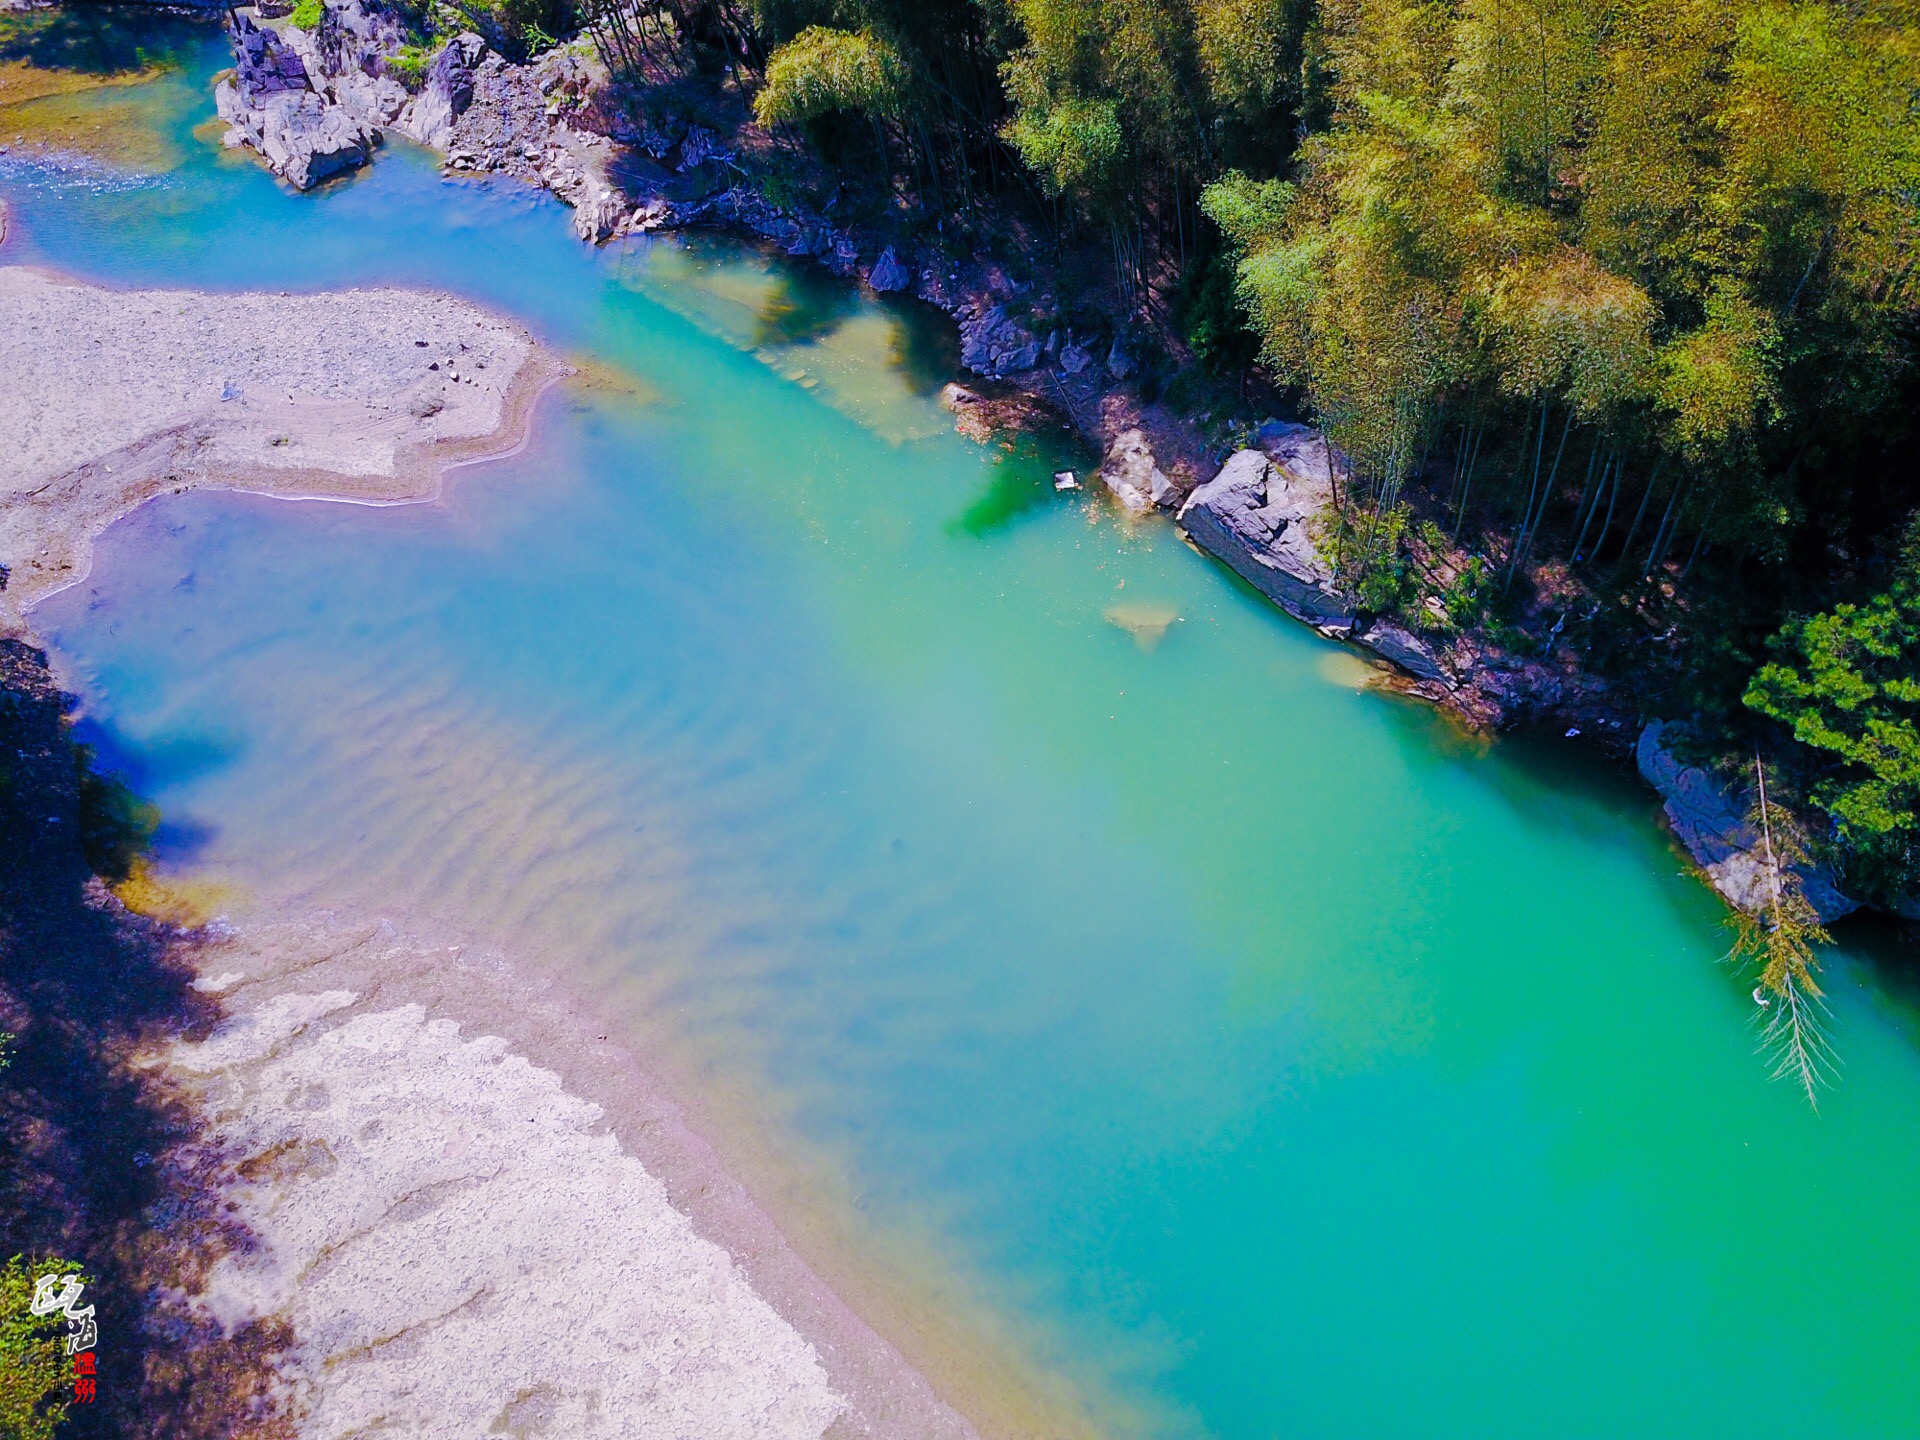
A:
115	396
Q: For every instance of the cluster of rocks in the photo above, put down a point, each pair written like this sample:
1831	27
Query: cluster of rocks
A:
518	122
271	104
740	207
1729	849
316	103
995	344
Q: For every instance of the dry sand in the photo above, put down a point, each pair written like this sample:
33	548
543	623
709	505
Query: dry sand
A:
114	396
462	1242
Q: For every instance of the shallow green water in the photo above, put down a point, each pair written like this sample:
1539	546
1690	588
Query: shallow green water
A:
1263	1057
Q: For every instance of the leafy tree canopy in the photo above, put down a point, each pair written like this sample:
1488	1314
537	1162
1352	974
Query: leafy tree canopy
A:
1847	684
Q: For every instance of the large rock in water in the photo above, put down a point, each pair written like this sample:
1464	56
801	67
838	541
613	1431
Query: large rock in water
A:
270	105
1132	474
300	136
888	273
1715	831
1254	515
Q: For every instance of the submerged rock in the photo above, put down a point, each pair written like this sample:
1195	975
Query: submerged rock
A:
1254	516
1132	474
1715	830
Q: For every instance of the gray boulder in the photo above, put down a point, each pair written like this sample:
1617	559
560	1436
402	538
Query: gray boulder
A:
300	136
271	103
1169	490
1254	515
1714	828
1393	641
888	273
1131	472
1119	364
445	92
1075	358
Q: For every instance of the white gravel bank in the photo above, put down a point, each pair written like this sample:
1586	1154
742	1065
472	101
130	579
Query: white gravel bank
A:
114	396
460	1254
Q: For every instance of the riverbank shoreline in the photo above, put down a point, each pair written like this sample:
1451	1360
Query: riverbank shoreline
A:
557	121
746	1337
764	1341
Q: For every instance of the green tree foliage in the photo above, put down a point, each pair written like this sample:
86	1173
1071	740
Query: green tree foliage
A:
823	70
1689	228
1847	684
34	1368
1777	941
1105	96
408	65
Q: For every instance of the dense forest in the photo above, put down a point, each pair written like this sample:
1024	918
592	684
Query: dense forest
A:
1611	305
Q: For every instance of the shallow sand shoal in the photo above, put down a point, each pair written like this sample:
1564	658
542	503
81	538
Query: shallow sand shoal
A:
473	1214
465	1244
114	396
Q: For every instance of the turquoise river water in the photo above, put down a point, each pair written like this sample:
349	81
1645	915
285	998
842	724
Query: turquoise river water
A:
1250	1049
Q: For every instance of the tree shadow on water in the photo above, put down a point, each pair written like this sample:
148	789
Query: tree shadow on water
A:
805	305
96	39
926	344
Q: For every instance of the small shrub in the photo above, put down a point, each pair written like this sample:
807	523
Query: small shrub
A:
1469	594
307	14
408	65
1209	310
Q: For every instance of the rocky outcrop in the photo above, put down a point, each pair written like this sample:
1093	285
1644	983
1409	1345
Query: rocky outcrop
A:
445	92
1714	828
271	104
316	103
1132	474
1254	516
993	344
1394	642
515	123
889	274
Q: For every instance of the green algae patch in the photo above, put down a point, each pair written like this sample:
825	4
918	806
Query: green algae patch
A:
116	131
91	81
171	899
